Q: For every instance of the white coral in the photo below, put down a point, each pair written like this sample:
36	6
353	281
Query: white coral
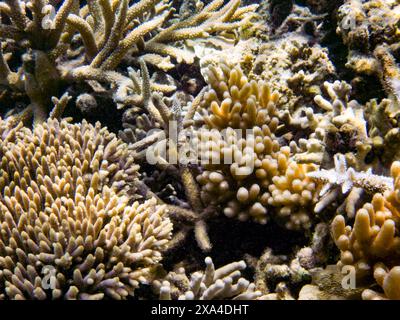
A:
348	178
349	182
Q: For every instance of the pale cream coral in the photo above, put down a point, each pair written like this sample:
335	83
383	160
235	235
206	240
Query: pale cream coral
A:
225	282
292	192
373	240
389	280
69	229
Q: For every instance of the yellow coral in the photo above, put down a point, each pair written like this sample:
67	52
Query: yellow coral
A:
246	168
372	244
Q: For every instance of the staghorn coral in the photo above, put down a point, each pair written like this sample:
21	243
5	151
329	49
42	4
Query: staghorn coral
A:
74	42
365	24
69	226
300	148
162	147
372	245
222	283
246	170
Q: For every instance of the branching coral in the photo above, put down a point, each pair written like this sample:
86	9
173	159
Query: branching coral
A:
162	148
106	32
372	245
245	167
343	180
222	283
69	228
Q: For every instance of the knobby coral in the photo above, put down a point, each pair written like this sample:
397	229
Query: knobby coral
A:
246	168
372	245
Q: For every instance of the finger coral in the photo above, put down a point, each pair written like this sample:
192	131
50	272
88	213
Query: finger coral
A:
372	245
69	226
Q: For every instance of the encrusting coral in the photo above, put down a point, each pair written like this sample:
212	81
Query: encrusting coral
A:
70	228
246	170
222	283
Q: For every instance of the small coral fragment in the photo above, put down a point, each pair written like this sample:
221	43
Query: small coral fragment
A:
222	283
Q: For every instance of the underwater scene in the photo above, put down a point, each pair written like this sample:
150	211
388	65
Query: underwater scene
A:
199	150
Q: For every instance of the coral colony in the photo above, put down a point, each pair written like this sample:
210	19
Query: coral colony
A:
197	150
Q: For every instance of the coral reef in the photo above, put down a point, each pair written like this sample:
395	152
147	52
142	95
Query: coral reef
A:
294	68
72	43
372	244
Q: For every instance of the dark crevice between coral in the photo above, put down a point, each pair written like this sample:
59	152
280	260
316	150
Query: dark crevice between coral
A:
245	238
